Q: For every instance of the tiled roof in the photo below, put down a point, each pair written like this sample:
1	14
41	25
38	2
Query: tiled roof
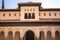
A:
30	4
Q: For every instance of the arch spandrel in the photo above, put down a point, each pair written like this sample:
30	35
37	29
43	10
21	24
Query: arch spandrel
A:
23	31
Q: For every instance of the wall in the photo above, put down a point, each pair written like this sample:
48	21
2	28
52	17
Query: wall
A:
55	16
35	29
36	8
9	18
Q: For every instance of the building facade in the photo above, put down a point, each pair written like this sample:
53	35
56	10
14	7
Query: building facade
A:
30	22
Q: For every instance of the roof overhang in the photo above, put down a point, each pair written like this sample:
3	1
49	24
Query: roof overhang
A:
30	4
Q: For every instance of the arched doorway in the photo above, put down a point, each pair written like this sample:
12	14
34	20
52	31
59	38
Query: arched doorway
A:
49	36
29	35
17	36
10	35
2	37
42	36
57	35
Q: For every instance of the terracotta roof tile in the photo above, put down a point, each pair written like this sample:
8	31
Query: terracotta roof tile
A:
30	4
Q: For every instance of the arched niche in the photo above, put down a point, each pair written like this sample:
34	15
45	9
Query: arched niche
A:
17	36
49	36
2	35
10	35
42	36
57	35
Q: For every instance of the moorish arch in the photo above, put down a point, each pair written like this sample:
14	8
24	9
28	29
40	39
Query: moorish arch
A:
49	36
42	36
10	35
17	35
2	35
57	35
29	35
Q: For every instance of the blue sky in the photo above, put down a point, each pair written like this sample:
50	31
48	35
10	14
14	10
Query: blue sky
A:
45	3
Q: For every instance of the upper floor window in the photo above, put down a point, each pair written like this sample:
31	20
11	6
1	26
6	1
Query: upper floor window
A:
29	9
14	14
3	14
49	14
25	9
29	16
33	16
9	14
54	14
25	16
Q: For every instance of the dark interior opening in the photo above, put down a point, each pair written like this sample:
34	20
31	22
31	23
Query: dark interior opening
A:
29	35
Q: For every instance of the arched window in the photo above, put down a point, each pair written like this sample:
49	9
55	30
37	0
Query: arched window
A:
10	35
33	16
3	14
54	14
14	14
57	35
49	36
42	36
17	36
9	14
49	14
25	9
44	14
29	35
29	15
25	16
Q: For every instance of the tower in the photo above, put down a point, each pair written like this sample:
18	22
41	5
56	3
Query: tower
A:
3	4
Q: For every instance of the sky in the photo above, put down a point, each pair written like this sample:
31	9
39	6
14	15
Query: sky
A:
9	4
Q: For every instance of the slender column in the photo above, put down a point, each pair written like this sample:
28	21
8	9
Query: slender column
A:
6	33
53	32
13	34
